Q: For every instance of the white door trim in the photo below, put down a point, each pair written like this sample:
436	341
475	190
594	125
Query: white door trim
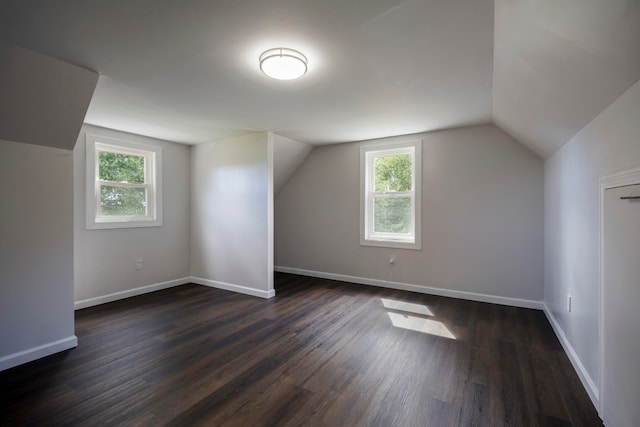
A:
620	179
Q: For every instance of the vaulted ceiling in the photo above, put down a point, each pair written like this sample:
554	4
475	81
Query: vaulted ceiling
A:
187	71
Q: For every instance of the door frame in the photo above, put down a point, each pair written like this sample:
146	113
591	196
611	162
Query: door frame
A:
619	179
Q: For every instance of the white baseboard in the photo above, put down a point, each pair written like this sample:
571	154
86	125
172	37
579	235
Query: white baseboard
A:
30	354
90	302
585	378
472	296
234	288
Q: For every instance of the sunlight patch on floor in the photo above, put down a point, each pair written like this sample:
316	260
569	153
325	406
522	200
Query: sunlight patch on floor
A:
406	306
419	324
408	320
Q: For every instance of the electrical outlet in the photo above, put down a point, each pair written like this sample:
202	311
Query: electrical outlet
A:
138	264
569	303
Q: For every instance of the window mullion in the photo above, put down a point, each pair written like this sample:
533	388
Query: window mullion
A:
392	193
121	184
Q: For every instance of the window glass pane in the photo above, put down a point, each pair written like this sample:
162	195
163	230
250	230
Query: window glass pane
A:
123	201
118	167
393	173
392	214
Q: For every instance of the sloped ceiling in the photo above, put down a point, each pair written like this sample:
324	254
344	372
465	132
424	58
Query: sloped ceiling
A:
187	71
558	64
42	100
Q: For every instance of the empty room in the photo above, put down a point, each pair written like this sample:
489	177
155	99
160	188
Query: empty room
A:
322	213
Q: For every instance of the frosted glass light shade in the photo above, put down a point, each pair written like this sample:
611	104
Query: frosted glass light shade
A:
283	64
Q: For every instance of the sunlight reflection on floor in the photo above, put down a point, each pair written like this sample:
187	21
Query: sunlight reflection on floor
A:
415	323
406	306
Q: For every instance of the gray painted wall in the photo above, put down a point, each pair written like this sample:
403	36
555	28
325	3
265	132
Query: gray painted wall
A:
105	259
36	252
608	144
482	217
232	213
288	155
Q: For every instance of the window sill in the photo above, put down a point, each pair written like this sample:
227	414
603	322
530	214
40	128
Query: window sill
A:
123	224
391	244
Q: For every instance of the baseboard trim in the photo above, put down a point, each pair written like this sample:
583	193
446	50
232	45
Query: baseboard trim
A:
31	354
472	296
90	302
585	378
234	288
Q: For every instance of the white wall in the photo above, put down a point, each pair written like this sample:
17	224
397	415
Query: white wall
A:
232	214
36	252
105	259
482	217
608	144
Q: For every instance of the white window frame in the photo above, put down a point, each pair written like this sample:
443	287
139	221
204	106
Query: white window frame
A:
153	183
368	154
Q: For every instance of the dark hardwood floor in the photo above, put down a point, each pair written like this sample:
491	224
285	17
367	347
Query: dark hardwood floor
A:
321	353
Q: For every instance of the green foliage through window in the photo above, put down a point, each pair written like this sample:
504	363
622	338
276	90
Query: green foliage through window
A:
393	173
392	215
390	187
122	168
116	167
123	201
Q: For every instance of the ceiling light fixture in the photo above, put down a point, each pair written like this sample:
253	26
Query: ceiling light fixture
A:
283	64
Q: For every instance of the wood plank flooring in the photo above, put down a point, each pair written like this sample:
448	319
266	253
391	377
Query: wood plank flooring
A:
321	353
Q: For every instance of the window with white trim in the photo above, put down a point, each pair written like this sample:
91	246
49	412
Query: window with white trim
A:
390	194
124	184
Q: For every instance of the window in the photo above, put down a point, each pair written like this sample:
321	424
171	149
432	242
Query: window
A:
123	184
390	195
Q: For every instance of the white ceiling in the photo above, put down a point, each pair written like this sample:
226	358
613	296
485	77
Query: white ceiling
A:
187	70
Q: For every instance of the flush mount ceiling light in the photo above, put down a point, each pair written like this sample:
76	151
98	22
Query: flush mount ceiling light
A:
283	64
